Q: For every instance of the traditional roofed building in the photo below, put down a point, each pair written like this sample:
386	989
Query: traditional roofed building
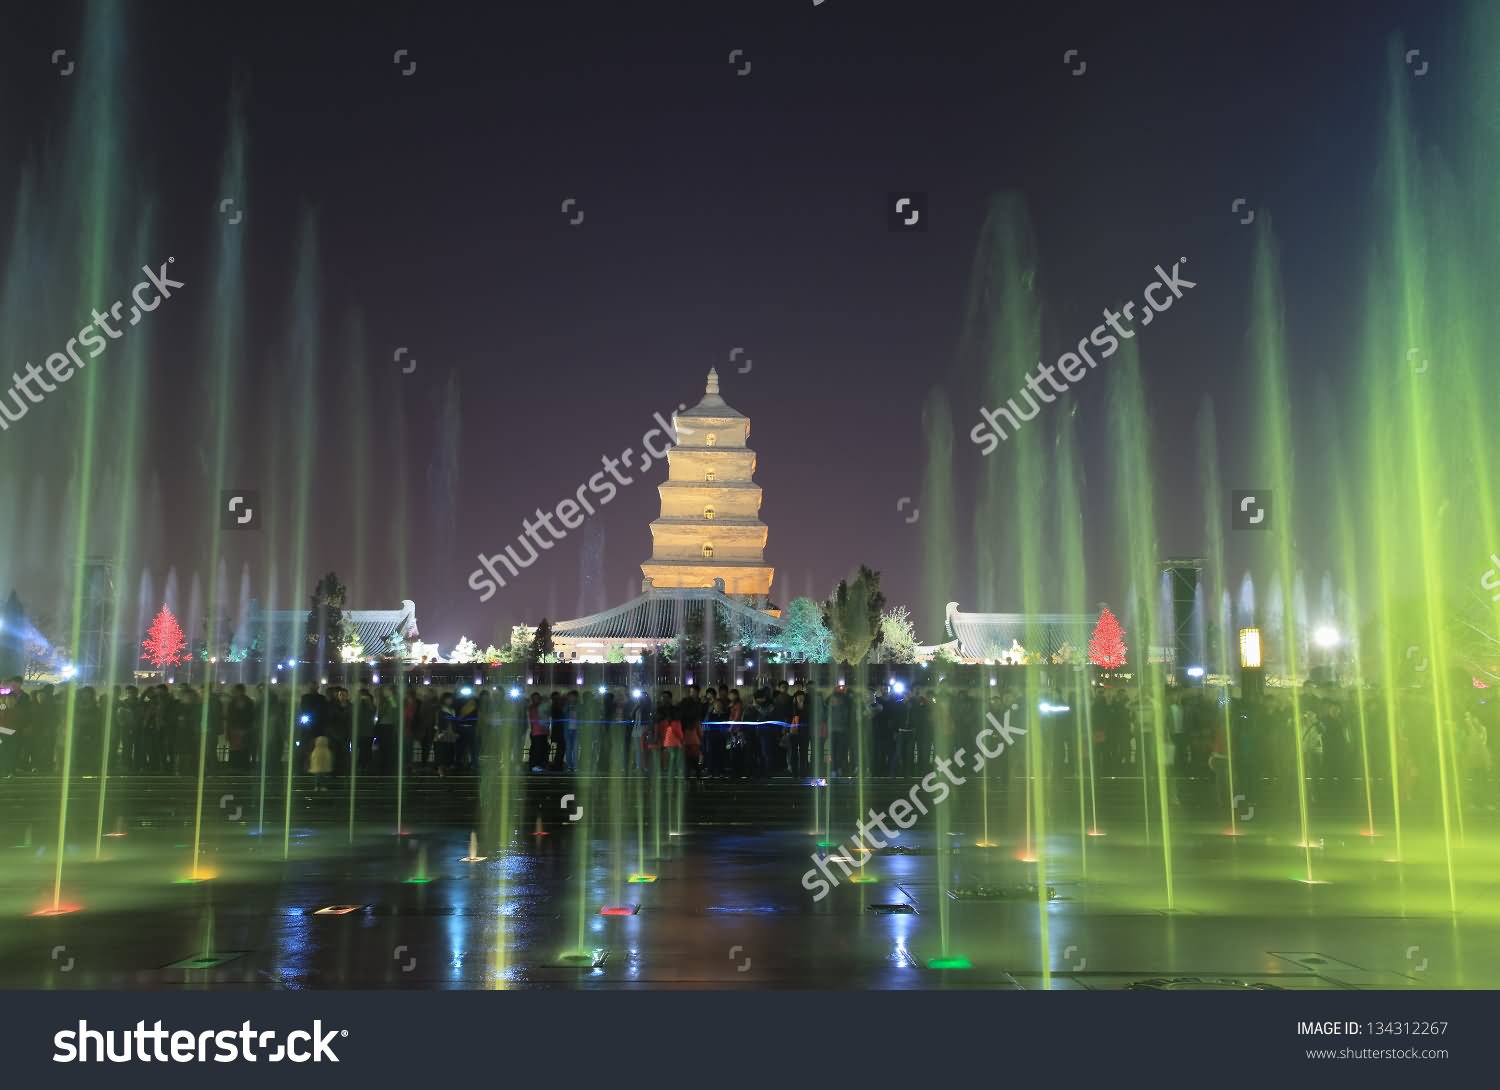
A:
659	616
283	632
1002	637
710	528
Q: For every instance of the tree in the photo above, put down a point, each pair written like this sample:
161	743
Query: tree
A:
804	636
616	653
541	642
852	615
463	651
519	648
42	659
353	648
325	621
898	636
164	645
492	655
1107	645
747	629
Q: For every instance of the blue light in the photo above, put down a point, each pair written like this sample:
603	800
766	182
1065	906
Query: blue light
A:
1195	671
467	690
898	687
635	693
515	692
305	720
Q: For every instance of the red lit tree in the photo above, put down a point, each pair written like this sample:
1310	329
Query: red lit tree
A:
1107	644
164	645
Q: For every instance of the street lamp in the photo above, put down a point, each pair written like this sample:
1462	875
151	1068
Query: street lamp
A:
1250	648
1252	674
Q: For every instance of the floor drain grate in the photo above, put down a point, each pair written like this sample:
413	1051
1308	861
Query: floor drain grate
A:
999	893
208	961
1198	984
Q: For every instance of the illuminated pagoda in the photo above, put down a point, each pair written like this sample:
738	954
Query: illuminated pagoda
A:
708	545
710	528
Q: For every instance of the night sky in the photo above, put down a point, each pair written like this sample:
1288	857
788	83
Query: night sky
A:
720	212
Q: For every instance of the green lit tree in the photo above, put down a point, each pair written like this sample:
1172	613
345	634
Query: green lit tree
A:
325	621
852	614
804	636
898	637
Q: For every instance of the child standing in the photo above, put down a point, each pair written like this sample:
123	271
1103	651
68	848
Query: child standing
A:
320	763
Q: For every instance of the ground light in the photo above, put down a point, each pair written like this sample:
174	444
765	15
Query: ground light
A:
619	910
338	910
641	879
473	856
951	962
58	910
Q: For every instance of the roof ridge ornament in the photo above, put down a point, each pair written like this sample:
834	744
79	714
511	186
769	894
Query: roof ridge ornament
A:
712	389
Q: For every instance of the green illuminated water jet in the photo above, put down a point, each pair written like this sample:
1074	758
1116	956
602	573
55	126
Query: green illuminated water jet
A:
1134	494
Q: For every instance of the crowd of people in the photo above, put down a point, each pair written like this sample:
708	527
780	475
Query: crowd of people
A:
1345	734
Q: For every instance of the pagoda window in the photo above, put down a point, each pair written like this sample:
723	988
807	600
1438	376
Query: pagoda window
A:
708	552
713	440
710	475
708	512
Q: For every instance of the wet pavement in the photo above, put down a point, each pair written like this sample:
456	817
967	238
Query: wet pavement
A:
334	900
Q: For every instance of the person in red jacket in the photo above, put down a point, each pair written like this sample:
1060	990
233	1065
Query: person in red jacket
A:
669	730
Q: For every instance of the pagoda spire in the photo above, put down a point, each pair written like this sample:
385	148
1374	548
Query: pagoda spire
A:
712	389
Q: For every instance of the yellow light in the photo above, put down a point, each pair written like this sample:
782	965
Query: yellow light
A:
1250	648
